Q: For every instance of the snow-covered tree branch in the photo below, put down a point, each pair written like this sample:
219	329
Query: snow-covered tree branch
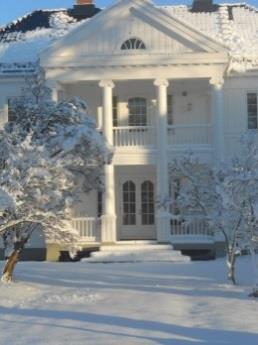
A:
226	197
47	156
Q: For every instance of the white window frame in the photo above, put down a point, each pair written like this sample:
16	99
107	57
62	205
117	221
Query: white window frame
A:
139	118
129	203
148	204
133	43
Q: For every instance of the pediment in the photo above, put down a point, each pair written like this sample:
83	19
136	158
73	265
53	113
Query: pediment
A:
105	34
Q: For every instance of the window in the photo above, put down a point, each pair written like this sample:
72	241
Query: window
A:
170	109
252	110
129	203
115	111
99	204
11	113
133	43
137	108
147	194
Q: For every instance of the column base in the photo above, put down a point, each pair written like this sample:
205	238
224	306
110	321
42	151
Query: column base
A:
163	227
108	228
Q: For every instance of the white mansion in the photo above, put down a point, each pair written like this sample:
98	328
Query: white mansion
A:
159	80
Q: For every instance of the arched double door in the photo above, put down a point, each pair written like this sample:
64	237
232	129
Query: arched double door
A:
137	209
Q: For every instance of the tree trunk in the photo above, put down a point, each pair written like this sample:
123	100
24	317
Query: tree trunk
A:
231	263
11	262
7	275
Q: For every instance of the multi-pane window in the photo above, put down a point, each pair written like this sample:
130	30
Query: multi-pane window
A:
147	197
115	111
133	43
129	203
137	108
170	109
252	110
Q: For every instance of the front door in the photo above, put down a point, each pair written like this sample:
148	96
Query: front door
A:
136	216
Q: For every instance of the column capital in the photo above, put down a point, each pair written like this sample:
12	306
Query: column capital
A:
217	82
106	83
161	82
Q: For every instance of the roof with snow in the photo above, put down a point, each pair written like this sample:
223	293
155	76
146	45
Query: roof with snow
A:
235	25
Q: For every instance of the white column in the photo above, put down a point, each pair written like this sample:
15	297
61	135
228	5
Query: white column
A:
108	220
218	119
162	186
55	87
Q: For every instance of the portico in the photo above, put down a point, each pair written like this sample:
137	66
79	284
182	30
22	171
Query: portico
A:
152	100
149	146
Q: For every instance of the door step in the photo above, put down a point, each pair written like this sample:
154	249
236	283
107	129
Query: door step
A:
125	252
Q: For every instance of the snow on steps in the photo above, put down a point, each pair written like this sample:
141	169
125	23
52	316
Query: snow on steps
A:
137	251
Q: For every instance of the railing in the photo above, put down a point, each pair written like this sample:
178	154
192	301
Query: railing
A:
189	134
88	228
188	226
130	136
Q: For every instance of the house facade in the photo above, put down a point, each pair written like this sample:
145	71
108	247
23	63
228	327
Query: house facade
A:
159	81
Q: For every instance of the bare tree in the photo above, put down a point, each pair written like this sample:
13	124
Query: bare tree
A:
202	196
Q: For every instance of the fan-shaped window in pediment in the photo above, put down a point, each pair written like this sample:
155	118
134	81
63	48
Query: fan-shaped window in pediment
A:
133	43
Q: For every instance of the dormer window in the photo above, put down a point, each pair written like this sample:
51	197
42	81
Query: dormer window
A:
133	43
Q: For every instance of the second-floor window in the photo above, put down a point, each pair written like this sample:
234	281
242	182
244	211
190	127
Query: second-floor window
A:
252	110
115	111
137	111
170	109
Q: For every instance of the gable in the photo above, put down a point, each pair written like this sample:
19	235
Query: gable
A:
105	34
109	39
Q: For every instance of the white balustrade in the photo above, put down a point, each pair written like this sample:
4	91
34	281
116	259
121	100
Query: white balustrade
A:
181	134
129	136
88	228
193	134
187	226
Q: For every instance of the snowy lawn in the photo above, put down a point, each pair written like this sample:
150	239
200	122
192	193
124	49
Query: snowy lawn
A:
127	304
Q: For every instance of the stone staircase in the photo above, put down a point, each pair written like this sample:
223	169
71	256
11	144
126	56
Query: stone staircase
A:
137	251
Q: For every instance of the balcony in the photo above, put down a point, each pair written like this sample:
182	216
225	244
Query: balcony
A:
178	135
131	136
193	134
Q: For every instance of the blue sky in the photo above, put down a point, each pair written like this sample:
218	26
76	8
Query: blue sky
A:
12	9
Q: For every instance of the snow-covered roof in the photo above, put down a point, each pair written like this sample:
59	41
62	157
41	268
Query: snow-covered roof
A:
22	40
235	25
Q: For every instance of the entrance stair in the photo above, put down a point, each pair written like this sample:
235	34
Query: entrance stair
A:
137	251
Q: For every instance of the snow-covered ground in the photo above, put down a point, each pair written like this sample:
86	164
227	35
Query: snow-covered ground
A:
127	304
